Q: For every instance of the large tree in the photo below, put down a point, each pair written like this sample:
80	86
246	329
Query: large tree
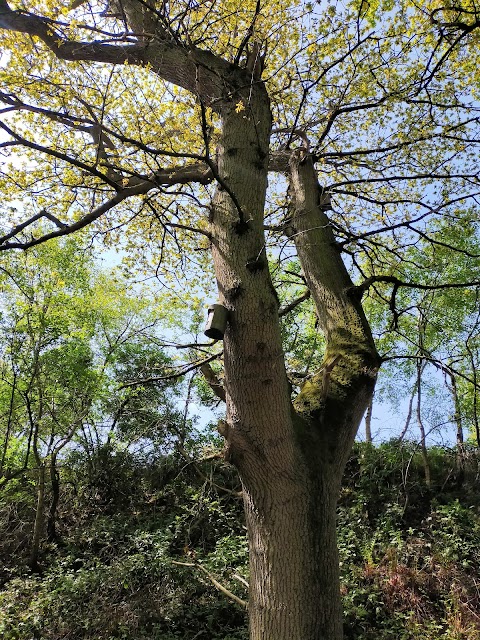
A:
165	118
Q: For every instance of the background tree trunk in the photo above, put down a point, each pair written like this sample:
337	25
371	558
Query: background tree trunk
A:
39	518
368	422
52	512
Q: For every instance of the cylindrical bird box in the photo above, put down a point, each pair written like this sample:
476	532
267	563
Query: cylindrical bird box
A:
216	321
325	200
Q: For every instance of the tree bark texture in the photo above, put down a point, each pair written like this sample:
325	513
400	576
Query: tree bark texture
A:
290	462
337	396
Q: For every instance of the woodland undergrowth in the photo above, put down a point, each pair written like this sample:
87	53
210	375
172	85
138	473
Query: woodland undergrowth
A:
410	554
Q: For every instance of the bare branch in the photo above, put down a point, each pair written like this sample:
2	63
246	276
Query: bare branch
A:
397	283
172	376
215	582
213	381
291	305
186	227
58	154
438	364
172	176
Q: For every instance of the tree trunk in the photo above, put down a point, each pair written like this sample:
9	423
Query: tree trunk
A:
259	426
290	463
423	437
294	592
473	361
457	418
368	422
52	535
39	517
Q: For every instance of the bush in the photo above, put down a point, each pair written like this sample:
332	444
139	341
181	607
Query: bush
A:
410	555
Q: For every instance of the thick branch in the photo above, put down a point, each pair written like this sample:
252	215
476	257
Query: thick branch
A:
166	177
340	392
64	49
200	72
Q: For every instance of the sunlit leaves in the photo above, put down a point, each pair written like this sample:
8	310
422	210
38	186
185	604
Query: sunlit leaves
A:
383	94
327	68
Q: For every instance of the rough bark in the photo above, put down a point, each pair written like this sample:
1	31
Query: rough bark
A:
290	463
290	509
337	396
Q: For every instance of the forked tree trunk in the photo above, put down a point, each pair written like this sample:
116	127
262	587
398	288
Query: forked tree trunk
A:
290	460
